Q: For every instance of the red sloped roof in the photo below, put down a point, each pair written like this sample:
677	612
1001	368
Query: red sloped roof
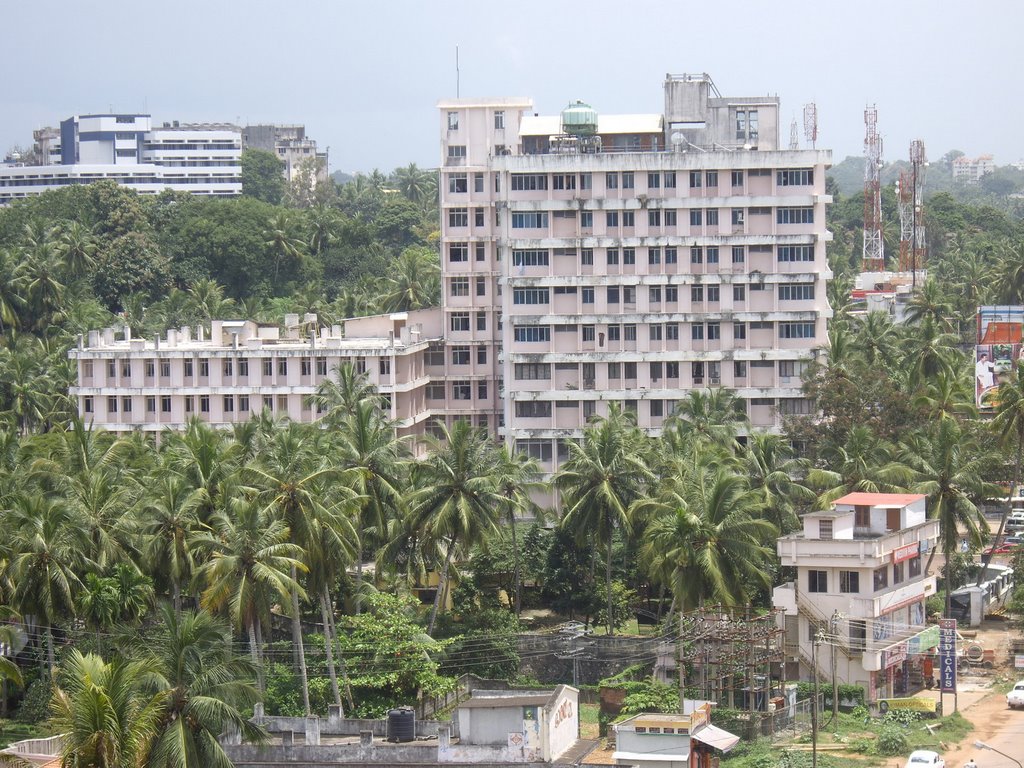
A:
879	499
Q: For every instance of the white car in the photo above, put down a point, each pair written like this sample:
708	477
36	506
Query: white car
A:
1015	698
925	758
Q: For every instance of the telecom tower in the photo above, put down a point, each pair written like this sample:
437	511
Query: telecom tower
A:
811	123
873	257
910	189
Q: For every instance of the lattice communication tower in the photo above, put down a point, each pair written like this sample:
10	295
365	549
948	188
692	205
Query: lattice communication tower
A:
873	255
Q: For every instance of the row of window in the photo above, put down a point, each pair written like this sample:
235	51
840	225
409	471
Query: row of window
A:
656	369
540	409
849	581
458	252
699	331
189	366
460	390
626	294
523	182
498	119
656	217
228	403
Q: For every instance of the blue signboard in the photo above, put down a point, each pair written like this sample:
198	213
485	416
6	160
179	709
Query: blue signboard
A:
947	655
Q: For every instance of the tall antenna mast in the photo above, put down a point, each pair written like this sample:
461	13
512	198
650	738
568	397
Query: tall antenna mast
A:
794	139
811	124
873	255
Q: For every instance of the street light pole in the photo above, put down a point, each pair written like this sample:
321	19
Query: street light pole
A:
983	745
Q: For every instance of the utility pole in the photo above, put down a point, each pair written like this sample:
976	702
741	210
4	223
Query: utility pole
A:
834	630
818	638
682	665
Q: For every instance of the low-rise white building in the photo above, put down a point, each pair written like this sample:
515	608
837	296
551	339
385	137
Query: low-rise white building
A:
659	740
243	367
861	583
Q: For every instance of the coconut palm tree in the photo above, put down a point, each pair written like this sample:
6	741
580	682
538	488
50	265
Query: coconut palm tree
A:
946	396
41	272
206	300
1008	425
283	241
108	721
930	300
772	470
708	536
250	563
948	466
169	524
338	397
456	502
414	282
12	296
188	661
604	474
865	463
712	415
516	475
1009	272
77	247
205	458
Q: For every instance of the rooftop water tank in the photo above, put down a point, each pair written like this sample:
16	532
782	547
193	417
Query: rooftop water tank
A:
579	119
401	724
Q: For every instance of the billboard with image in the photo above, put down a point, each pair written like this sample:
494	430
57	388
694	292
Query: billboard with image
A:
999	346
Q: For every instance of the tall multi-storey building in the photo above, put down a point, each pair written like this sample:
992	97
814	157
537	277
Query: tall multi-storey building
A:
590	259
204	159
970	170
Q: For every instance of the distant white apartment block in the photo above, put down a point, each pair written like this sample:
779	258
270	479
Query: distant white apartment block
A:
291	145
969	170
203	159
861	583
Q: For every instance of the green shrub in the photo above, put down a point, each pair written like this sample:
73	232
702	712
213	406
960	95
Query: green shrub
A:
892	740
35	704
901	717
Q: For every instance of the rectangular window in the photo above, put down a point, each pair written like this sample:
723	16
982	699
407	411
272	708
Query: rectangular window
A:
654	181
481	355
587	257
458	217
629	255
611	181
696	217
671	370
204	403
243	403
696	254
737	178
914	566
481	252
458	182
563	181
459	321
796	291
229	403
614	333
126	368
478	182
669	178
282	367
527	333
204	367
671	255
499	120
612	294
481	321
795	177
460	355
268	368
655	331
714	293
532	371
654	294
788	253
796	330
611	218
587	333
629	331
711	179
453	121
696	293
481	286
738	254
711	217
739	369
737	217
536	257
458	252
529	220
111	404
612	255
714	331
586	181
671	293
628	219
825	530
150	369
881	578
243	367
670	218
654	255
817	581
462	390
697	332
529	182
739	293
696	179
697	372
849	582
627	180
802	215
459	286
457	151
533	409
712	254
481	390
478	217
531	296
535	449
588	296
654	218
672	331
126	404
898	573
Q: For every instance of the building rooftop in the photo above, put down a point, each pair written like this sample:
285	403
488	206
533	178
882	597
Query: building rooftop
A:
551	125
880	499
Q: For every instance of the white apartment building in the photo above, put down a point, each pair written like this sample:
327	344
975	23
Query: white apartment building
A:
860	579
969	170
590	259
242	367
204	159
291	145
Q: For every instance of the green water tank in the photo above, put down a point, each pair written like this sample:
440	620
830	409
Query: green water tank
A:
579	119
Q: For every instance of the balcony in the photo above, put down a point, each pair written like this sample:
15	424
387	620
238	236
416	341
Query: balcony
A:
866	548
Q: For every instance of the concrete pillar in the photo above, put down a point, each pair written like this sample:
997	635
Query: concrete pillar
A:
366	738
444	737
231	737
287	738
334	716
312	730
257	711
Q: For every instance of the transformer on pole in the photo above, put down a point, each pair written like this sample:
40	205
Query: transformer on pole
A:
873	255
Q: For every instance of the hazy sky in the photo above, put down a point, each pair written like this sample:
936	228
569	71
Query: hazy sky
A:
365	77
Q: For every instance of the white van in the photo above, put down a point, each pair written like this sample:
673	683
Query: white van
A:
1015	521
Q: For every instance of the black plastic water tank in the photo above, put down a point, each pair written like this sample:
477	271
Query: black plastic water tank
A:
401	724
